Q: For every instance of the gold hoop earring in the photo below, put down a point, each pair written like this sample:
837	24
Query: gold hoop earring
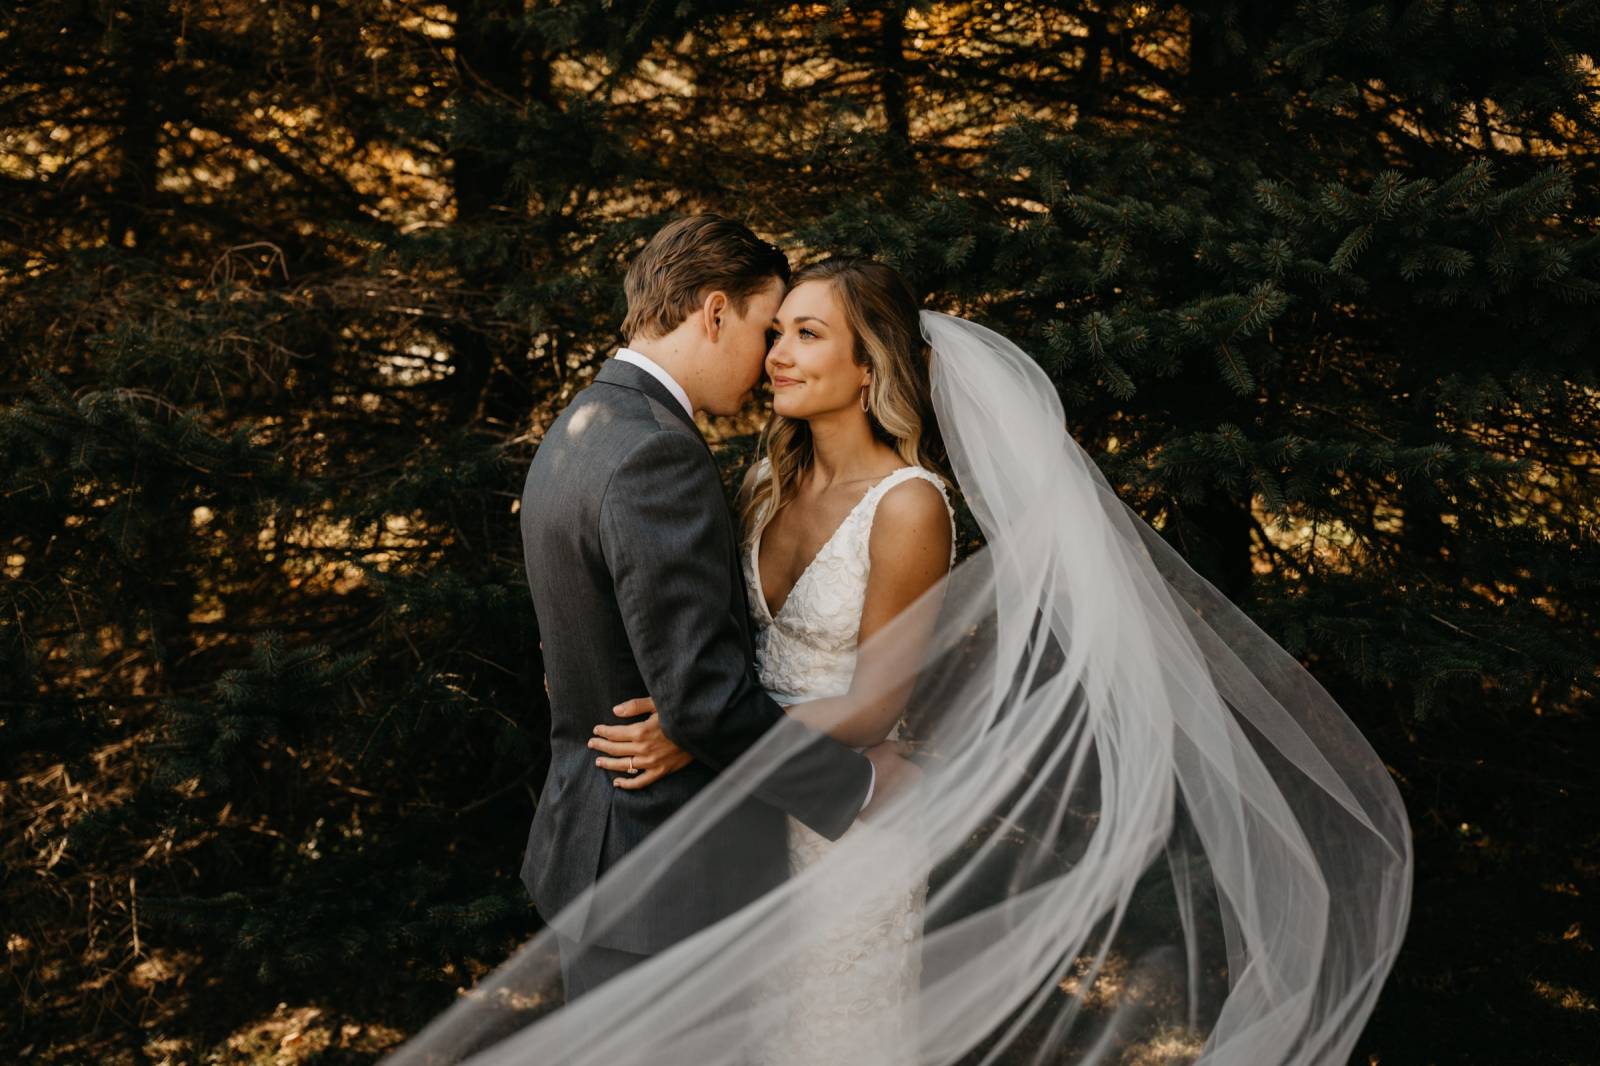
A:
864	406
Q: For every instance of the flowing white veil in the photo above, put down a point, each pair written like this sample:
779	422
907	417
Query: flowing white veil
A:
1149	834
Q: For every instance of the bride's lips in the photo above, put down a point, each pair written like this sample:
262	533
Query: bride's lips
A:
780	381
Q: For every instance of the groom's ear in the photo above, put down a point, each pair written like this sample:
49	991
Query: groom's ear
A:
714	311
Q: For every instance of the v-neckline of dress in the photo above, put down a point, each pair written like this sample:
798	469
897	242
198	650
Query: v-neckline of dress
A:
755	552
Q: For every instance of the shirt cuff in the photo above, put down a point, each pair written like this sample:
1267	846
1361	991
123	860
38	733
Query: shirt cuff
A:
872	783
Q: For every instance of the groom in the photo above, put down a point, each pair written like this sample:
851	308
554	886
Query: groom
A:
633	562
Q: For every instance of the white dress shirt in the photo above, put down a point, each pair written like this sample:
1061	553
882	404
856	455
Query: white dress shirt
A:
655	370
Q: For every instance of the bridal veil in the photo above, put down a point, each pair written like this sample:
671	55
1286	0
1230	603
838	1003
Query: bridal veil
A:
1149	834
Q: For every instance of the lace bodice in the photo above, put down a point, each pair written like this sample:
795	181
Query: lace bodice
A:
808	650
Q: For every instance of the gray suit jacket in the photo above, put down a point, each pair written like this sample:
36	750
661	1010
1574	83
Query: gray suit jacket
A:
633	561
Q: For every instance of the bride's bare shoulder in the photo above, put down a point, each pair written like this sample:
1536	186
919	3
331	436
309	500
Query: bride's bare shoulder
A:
911	517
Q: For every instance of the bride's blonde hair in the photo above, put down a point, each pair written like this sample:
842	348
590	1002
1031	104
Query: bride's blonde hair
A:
882	315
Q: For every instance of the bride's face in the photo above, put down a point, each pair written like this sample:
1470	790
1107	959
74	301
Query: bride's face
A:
811	361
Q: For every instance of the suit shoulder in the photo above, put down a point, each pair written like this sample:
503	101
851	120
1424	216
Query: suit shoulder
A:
664	476
665	450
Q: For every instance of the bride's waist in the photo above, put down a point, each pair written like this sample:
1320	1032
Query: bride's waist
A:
788	697
896	732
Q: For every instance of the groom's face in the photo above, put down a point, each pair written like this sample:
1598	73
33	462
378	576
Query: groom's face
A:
743	340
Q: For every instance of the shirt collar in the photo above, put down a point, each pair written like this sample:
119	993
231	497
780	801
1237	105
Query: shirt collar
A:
654	369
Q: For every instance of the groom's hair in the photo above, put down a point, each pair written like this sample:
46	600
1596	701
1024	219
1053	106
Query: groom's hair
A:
689	258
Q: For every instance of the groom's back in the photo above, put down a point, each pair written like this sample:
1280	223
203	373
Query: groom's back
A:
563	558
583	824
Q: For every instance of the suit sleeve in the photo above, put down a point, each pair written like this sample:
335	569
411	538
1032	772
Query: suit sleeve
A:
666	538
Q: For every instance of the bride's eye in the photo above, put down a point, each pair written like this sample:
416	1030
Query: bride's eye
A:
806	333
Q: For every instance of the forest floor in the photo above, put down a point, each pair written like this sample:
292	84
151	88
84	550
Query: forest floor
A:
1499	964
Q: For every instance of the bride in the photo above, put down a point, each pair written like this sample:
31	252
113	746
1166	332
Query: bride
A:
1142	831
847	523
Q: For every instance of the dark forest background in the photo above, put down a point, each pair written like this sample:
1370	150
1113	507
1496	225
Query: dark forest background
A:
288	292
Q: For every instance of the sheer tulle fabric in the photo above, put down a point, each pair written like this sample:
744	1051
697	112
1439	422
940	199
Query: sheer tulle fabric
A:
1148	834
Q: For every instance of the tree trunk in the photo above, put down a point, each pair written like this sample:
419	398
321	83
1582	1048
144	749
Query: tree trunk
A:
488	59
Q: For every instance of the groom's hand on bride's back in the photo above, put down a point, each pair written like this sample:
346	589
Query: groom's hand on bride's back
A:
895	775
640	752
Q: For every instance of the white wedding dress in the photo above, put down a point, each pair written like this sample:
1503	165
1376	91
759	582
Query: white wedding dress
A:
850	995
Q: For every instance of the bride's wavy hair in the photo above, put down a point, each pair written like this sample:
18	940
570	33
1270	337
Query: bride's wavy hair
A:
882	315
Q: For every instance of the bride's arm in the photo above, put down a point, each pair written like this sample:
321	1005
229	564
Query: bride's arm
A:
908	552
